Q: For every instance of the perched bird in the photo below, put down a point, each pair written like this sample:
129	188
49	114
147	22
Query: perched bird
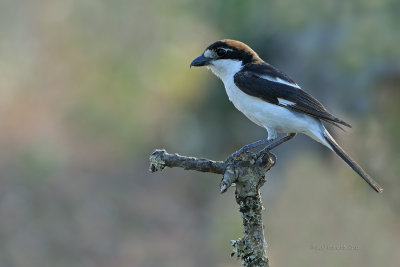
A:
272	100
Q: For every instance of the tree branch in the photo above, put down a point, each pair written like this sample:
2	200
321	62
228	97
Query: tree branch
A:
248	172
160	159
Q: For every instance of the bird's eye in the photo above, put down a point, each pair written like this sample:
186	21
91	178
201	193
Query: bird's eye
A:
220	52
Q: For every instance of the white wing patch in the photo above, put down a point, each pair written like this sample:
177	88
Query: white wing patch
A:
279	80
285	102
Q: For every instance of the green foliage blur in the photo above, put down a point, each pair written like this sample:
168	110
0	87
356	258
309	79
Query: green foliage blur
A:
89	88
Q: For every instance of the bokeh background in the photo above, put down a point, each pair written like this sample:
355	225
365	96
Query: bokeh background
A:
89	88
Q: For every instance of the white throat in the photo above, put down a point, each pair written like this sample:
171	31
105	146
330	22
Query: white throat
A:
225	69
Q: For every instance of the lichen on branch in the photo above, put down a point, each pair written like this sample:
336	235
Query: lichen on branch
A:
248	173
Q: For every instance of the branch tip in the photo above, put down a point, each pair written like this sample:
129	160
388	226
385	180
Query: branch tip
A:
156	161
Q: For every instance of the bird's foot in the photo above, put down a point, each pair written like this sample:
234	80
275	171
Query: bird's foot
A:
246	148
274	144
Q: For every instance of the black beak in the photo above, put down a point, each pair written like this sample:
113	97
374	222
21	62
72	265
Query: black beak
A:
200	61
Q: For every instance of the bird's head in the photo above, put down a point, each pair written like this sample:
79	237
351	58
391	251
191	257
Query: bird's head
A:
225	57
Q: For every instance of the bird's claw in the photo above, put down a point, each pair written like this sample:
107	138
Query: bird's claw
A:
238	154
263	151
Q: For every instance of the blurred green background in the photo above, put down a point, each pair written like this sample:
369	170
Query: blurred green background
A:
89	88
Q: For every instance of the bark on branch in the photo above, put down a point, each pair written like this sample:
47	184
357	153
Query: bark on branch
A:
248	173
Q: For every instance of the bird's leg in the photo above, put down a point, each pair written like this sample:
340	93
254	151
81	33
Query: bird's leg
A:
249	147
276	143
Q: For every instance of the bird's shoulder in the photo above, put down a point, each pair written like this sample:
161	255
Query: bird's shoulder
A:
269	72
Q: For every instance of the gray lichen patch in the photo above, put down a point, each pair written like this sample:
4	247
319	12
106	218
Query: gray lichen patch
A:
156	163
245	252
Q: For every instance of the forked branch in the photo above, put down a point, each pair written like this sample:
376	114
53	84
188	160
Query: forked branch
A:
248	173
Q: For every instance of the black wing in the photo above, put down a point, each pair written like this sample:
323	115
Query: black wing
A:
270	91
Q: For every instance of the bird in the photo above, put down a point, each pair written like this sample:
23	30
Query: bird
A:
272	100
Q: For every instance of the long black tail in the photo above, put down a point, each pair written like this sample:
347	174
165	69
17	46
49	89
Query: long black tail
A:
354	165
